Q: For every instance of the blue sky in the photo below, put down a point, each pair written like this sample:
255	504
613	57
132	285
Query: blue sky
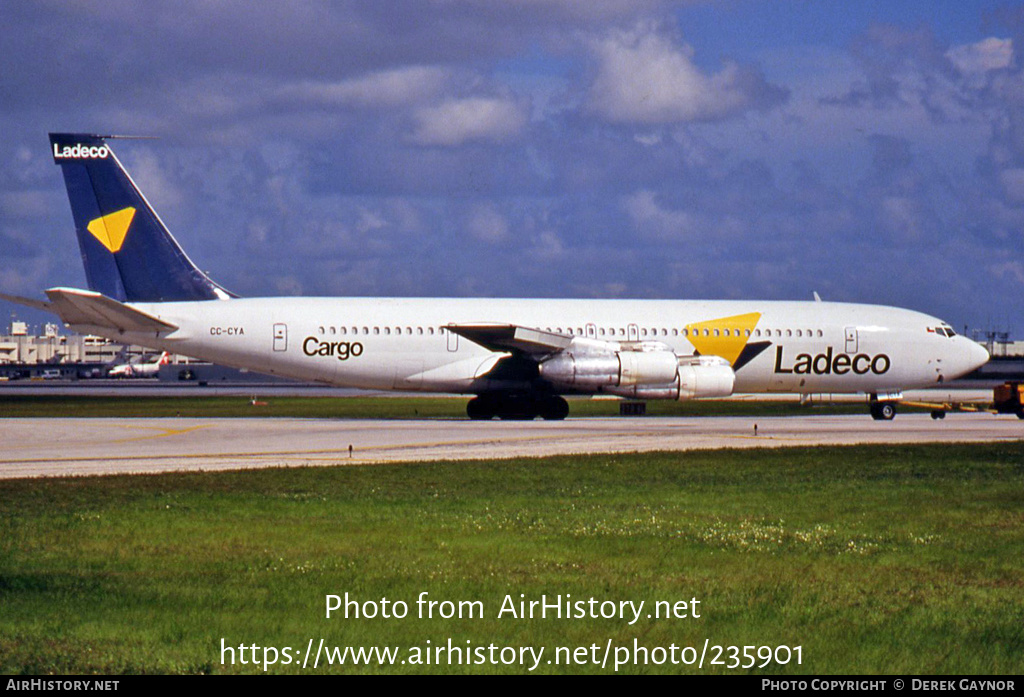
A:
870	151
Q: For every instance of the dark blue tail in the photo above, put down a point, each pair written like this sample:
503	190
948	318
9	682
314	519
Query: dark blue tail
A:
128	253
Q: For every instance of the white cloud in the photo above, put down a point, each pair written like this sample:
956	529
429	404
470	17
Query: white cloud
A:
458	121
25	277
401	86
546	248
646	76
654	221
25	204
370	221
902	216
1013	184
988	54
287	285
1011	271
591	11
154	178
487	225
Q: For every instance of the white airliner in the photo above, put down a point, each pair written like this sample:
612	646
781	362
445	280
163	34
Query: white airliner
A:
517	356
140	369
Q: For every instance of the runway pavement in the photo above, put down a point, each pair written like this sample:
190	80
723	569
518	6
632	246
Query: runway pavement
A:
56	447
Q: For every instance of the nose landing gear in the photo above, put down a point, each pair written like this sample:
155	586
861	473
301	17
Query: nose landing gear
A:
883	411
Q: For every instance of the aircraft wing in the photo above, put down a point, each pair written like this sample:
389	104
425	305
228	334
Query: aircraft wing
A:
88	308
512	338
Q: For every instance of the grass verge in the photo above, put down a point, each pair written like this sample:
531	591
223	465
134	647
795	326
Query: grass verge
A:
872	559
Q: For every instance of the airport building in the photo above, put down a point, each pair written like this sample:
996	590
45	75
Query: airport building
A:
44	353
33	352
998	343
20	346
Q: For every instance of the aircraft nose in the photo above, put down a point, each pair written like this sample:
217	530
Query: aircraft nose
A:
977	355
967	356
963	357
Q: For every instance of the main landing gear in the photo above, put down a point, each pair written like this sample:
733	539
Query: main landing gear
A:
522	407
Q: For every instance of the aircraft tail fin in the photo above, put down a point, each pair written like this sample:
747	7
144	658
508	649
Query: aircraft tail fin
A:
129	254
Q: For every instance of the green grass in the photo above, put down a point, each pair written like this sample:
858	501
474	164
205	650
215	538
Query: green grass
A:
27	406
873	559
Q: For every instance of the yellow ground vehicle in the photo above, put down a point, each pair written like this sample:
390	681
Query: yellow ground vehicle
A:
1008	398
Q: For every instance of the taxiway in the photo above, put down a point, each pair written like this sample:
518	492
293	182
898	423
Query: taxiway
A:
60	446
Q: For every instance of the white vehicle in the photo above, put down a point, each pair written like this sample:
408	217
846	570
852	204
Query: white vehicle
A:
518	357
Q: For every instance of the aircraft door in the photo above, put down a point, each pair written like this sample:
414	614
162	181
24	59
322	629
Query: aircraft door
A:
633	333
591	331
453	341
280	337
851	340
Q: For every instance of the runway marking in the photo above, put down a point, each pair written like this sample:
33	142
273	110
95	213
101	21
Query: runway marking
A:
164	432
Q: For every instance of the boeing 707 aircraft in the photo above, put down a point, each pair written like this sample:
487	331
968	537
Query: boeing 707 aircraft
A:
518	357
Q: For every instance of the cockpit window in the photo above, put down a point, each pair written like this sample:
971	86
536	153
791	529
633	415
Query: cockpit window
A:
942	331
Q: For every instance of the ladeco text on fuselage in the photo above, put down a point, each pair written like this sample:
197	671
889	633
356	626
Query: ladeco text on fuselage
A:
342	350
831	363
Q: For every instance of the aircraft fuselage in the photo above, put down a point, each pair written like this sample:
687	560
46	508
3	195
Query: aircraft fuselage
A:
405	343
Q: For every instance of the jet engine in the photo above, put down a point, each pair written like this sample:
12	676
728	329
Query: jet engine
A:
705	376
643	371
599	370
699	377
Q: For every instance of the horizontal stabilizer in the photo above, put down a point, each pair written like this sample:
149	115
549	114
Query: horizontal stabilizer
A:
88	308
27	302
511	337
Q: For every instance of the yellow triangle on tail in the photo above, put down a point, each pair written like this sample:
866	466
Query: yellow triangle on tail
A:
111	229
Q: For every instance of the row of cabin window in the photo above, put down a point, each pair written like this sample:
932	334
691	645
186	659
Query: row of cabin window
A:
420	331
705	332
789	332
621	332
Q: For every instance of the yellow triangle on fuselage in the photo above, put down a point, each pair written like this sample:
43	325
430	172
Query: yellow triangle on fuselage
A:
111	229
723	337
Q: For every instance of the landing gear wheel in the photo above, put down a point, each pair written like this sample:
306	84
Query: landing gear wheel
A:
481	408
553	408
883	411
938	414
516	407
